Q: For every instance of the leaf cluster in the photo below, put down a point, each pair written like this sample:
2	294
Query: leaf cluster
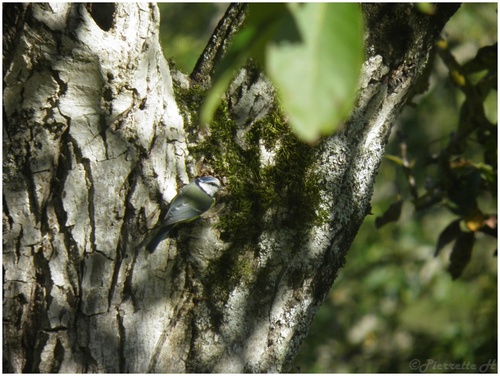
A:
466	165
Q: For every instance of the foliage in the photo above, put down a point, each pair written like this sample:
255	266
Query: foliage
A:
464	170
312	52
185	29
394	302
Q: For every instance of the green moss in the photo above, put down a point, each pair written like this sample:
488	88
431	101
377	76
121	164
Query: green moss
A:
287	187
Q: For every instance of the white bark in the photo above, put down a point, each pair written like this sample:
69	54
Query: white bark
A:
94	142
106	134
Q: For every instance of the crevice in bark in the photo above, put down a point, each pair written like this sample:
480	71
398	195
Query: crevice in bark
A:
122	358
58	356
103	14
14	17
34	335
128	291
91	194
117	263
63	165
28	176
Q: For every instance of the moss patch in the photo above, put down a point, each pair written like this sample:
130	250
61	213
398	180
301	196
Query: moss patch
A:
283	193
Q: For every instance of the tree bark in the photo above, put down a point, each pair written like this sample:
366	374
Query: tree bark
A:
95	145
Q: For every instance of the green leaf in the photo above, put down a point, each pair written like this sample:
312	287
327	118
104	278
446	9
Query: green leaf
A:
314	54
426	8
461	253
391	215
317	74
395	159
465	188
486	59
449	234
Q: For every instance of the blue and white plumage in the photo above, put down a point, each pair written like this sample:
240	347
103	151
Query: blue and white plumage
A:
192	200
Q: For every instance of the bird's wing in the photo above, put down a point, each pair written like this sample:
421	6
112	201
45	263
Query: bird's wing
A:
189	204
181	213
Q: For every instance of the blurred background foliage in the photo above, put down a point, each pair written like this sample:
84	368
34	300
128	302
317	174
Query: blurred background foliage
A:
185	29
394	301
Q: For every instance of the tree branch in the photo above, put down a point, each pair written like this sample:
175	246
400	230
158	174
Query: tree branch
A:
229	24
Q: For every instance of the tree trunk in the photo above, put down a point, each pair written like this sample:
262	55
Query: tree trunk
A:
95	146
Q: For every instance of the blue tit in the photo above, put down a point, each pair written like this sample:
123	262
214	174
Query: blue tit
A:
192	201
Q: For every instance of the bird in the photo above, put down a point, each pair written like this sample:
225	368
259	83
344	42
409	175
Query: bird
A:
192	201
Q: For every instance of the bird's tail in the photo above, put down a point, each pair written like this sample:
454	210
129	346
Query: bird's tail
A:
162	234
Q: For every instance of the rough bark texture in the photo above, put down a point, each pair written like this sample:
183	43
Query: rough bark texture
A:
94	145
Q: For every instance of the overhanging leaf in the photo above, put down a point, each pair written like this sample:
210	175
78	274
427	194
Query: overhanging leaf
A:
426	8
317	74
